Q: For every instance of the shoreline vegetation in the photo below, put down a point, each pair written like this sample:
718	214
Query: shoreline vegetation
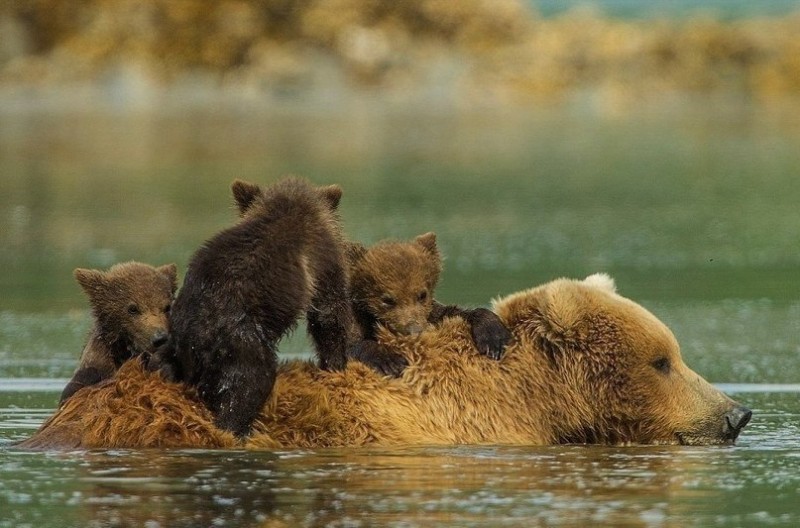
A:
468	53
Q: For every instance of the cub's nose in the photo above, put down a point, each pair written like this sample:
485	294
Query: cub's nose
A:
412	329
735	420
159	338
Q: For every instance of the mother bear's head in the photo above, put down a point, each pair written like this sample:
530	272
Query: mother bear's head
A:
614	372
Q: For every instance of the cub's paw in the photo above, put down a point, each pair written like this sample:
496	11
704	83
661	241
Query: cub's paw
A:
379	358
158	361
489	333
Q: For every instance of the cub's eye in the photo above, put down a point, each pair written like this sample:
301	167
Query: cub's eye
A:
422	296
133	309
388	300
167	308
662	365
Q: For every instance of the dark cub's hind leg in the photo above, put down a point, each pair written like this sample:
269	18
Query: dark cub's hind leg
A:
330	319
236	393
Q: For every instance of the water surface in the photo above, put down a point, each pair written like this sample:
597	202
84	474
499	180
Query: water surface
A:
753	483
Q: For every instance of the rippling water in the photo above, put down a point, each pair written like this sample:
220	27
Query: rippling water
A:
754	482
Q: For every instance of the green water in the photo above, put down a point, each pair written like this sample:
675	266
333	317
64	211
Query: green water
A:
752	484
670	8
693	210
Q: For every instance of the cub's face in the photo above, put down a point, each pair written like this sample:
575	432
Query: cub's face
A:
132	301
394	282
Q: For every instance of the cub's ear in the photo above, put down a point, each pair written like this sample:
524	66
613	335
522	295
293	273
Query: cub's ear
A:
428	243
170	271
92	281
244	194
331	194
354	251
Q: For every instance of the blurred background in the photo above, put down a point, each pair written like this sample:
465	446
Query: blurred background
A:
658	141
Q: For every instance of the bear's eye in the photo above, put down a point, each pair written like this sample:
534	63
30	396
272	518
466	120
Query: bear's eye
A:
133	309
167	308
388	300
422	296
662	365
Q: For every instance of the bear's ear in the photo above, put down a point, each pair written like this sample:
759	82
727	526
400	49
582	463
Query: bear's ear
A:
331	194
553	315
550	337
354	251
170	271
92	281
428	243
601	281
244	194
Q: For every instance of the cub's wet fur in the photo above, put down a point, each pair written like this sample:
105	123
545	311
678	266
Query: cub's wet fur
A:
246	287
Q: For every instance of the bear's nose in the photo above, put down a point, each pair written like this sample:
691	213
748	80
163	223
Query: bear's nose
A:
735	420
159	338
412	329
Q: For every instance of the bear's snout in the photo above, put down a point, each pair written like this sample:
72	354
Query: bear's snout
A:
406	323
159	338
411	329
735	420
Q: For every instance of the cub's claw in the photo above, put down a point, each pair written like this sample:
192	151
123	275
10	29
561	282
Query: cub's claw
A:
158	361
379	358
489	333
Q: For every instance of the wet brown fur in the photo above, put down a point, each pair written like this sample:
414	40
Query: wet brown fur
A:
130	305
581	369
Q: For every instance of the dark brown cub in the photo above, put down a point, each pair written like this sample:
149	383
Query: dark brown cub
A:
246	287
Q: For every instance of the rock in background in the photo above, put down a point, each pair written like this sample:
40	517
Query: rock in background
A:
473	51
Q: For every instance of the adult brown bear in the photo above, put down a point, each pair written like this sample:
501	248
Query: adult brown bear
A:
586	366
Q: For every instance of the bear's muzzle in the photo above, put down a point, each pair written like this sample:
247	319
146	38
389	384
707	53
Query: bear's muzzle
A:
735	420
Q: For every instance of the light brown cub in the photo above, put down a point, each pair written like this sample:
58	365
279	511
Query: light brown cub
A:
130	305
392	285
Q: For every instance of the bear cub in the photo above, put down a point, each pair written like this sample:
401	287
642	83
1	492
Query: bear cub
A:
130	305
246	287
392	285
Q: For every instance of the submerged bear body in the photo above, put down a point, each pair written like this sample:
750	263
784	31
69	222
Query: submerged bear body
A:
586	366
